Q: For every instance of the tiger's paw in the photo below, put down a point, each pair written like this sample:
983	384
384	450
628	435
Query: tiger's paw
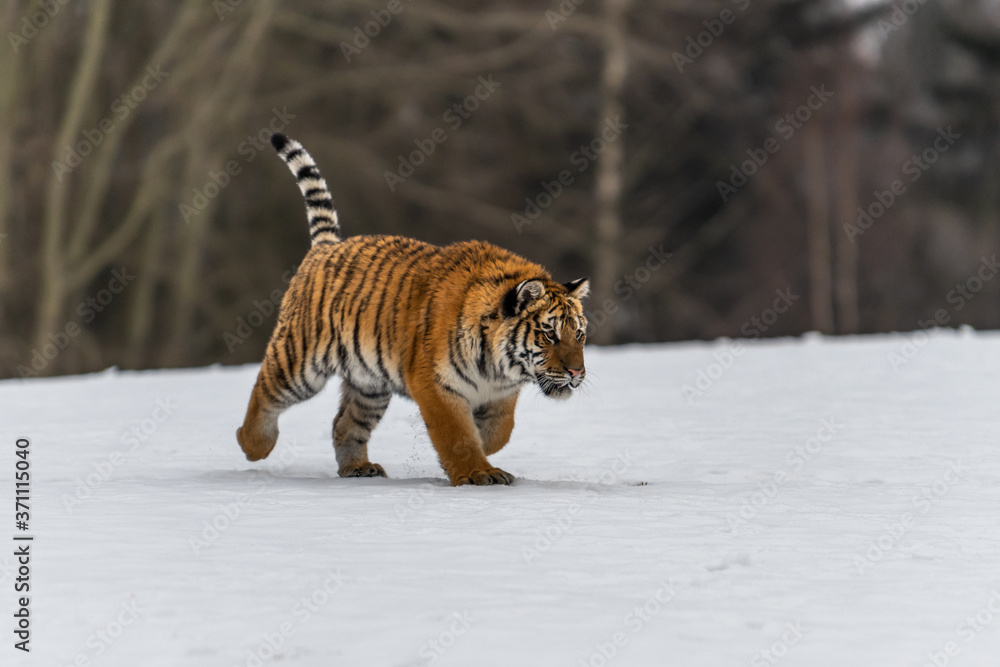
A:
366	469
256	444
483	477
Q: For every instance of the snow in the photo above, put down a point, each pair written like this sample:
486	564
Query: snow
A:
819	502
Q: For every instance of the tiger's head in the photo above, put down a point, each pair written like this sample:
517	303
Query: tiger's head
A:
547	332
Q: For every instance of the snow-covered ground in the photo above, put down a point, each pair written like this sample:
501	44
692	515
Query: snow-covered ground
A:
820	502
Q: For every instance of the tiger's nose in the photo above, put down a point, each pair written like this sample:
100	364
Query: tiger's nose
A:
573	372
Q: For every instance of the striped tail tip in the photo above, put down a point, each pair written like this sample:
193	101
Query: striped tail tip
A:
323	224
279	141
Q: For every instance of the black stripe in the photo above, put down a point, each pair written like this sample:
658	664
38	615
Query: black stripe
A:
325	204
396	258
447	387
379	361
318	371
299	345
269	392
353	440
316	230
442	272
380	258
309	171
349	293
345	273
319	319
366	424
294	153
284	379
500	280
482	351
294	381
357	347
465	378
403	260
326	312
407	277
341	356
457	334
312	192
370	396
511	347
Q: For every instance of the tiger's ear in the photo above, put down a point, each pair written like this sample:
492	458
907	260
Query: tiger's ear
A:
578	289
521	296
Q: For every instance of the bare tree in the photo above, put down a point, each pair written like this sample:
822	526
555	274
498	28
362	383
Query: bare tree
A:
610	163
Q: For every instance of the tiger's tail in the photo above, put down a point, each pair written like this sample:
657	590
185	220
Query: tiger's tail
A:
323	224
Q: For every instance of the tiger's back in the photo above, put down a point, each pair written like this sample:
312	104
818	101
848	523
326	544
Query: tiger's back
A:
460	329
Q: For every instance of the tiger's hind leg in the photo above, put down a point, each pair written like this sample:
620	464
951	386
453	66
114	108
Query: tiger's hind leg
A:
359	414
287	376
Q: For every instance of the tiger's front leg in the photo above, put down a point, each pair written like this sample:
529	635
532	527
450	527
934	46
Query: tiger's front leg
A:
454	435
495	422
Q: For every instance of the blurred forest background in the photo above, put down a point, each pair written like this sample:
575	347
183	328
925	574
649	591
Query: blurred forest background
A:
703	161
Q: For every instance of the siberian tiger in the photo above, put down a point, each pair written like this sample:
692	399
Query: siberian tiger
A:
459	329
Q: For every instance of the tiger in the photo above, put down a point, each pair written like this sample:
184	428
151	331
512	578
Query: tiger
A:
459	329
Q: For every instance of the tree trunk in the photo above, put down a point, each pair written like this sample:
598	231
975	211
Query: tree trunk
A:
818	227
143	299
610	164
54	286
847	129
9	76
